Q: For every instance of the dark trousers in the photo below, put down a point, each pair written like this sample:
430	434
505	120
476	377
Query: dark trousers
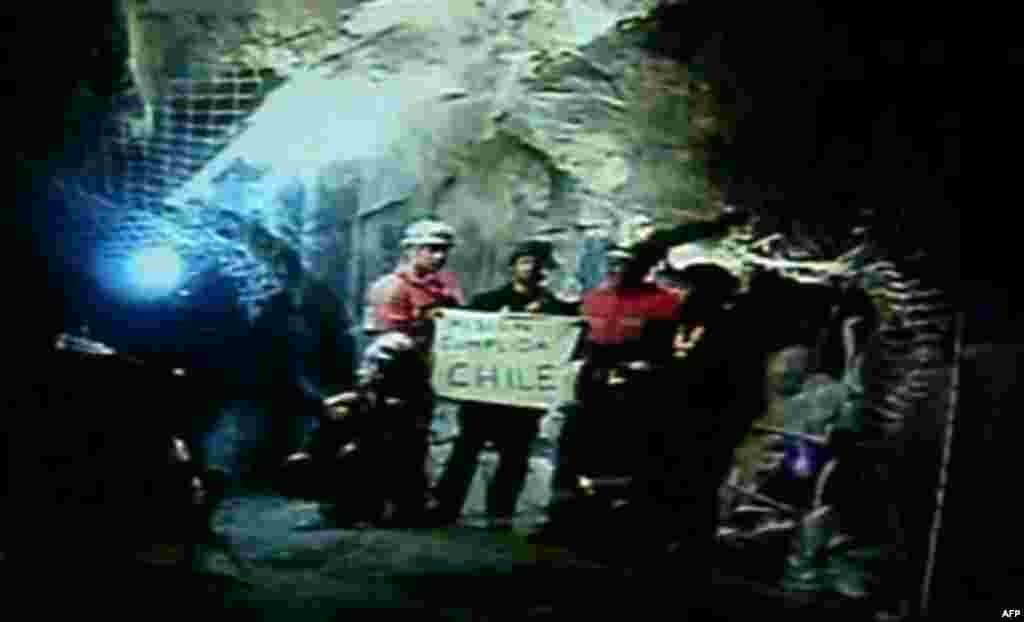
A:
604	435
402	456
679	487
605	432
389	463
292	416
512	430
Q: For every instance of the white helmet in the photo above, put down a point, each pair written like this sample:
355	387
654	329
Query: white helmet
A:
635	229
382	352
695	253
389	345
427	233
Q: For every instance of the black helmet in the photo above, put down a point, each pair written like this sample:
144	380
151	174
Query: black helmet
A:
714	287
711	278
538	249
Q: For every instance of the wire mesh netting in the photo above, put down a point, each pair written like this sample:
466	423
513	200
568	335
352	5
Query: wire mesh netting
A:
118	197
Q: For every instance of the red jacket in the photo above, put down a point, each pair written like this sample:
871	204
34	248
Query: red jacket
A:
623	316
396	301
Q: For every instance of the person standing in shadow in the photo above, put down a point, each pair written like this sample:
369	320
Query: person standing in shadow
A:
304	353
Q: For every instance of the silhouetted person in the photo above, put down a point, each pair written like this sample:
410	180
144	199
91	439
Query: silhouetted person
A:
714	386
407	301
628	354
303	352
371	446
629	337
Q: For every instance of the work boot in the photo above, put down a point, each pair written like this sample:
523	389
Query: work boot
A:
438	513
562	513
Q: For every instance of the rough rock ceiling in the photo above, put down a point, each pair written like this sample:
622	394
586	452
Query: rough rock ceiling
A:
508	118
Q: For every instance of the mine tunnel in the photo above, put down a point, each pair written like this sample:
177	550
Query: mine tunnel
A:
764	379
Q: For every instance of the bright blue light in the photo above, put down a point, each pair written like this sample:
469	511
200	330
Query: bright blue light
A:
155	271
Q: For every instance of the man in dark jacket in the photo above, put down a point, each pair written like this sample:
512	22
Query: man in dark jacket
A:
716	380
513	430
715	387
628	338
628	353
303	353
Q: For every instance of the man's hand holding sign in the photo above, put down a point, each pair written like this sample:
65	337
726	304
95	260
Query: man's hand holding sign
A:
512	359
507	361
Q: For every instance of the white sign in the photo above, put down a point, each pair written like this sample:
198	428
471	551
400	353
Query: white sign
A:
504	358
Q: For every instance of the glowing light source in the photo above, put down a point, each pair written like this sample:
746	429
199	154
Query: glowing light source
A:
152	272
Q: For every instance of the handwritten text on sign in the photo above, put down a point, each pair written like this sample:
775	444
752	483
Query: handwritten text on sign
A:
511	359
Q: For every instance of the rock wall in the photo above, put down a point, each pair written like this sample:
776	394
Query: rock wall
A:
507	119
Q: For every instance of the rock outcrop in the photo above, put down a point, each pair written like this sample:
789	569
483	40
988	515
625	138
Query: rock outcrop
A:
508	119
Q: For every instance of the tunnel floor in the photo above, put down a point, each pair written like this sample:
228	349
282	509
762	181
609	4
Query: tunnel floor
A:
454	573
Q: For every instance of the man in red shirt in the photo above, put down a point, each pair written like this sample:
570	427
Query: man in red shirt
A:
632	322
407	299
621	311
630	325
394	376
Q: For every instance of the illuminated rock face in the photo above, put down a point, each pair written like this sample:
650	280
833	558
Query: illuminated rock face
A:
328	126
507	119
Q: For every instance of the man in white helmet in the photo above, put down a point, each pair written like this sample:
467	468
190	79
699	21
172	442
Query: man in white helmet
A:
390	412
373	429
405	303
407	299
